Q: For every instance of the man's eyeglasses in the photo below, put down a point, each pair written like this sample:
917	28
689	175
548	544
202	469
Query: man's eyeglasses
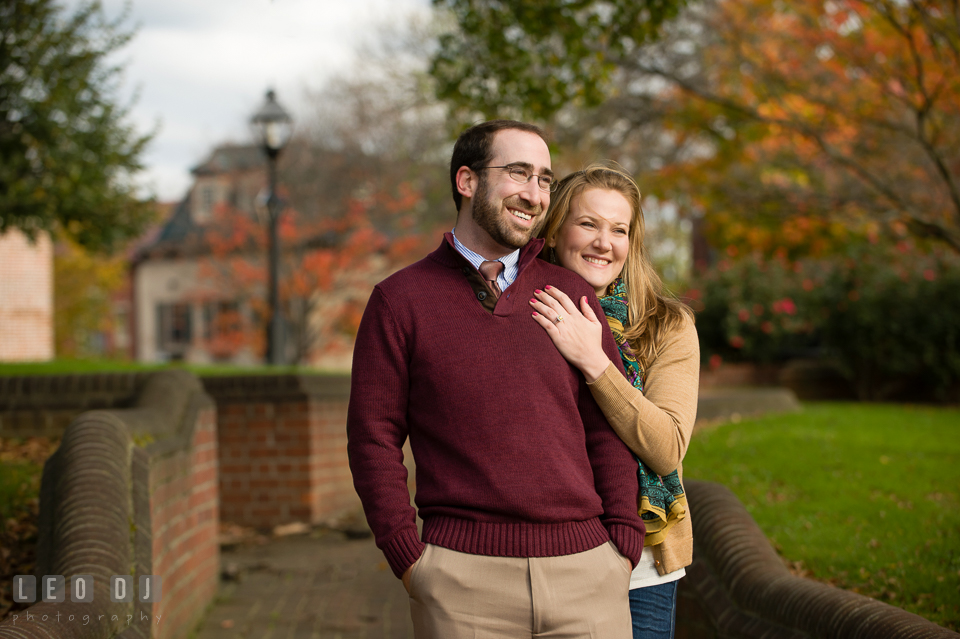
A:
523	175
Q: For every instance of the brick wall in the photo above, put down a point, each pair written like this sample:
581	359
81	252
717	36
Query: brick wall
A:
275	447
26	298
282	439
132	491
184	511
283	448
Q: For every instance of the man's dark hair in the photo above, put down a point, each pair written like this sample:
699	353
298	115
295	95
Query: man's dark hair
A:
472	149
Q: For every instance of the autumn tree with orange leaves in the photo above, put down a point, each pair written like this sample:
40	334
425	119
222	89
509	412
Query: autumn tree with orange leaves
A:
329	265
824	118
792	127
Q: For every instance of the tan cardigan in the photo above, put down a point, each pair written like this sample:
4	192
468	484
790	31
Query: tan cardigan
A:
657	423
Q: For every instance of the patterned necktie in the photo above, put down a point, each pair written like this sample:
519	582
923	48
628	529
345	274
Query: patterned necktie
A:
490	270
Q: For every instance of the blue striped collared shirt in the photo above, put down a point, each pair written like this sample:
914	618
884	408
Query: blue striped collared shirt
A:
510	262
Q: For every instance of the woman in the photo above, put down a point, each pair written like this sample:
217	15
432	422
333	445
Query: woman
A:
596	229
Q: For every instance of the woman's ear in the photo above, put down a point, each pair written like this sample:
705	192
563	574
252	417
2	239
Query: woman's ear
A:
552	242
466	182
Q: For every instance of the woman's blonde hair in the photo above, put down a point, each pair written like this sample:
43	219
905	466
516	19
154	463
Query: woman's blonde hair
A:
653	312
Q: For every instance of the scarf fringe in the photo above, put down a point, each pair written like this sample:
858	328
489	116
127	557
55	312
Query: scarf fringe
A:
658	521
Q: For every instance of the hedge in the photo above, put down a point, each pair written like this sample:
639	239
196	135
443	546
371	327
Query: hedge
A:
887	315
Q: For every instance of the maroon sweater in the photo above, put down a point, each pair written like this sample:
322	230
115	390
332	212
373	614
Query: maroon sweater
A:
513	456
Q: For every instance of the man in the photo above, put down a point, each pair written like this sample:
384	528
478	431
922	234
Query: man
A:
521	483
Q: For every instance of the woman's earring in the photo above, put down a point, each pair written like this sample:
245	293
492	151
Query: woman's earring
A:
552	256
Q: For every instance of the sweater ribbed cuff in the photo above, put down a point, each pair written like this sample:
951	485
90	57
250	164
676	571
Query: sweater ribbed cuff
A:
403	550
629	541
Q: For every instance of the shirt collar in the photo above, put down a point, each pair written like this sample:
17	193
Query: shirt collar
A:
509	261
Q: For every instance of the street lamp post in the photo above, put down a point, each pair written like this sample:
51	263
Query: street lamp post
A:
274	126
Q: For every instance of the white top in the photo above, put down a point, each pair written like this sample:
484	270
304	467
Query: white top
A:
645	574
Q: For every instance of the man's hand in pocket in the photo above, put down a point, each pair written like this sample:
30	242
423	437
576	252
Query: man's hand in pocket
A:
406	576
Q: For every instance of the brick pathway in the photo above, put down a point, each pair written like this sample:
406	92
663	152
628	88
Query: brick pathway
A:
321	586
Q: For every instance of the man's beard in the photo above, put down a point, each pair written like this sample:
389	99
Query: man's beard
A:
487	216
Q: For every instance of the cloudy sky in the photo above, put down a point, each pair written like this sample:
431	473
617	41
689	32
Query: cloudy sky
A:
201	68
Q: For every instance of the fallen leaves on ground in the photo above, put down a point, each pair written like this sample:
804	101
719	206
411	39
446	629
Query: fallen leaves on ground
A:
18	528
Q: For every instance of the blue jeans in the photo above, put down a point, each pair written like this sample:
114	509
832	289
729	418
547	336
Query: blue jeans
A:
653	610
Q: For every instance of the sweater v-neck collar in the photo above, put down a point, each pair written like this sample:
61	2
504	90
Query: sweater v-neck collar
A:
447	255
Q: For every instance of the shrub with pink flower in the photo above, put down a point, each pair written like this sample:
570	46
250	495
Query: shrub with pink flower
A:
887	313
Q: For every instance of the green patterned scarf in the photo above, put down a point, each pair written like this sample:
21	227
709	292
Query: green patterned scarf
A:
661	503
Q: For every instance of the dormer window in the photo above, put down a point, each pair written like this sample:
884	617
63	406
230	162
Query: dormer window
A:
205	201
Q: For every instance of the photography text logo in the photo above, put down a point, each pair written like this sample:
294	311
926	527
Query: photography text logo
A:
53	589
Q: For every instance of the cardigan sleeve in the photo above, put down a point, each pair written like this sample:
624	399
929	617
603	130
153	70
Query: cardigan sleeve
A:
656	424
614	469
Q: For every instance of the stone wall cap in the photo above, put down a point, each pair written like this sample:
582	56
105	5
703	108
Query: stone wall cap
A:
80	390
284	387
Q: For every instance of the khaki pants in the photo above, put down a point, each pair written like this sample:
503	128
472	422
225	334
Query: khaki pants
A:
456	595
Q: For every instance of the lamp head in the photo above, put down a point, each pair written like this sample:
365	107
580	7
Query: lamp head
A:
273	124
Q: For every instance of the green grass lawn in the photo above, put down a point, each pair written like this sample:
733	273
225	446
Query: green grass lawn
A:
72	366
863	496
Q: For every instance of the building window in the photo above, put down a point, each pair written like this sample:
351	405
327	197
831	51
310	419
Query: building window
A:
121	326
173	329
220	318
222	329
204	202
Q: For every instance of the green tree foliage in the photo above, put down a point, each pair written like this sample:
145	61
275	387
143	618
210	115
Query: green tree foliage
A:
535	56
67	154
85	285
